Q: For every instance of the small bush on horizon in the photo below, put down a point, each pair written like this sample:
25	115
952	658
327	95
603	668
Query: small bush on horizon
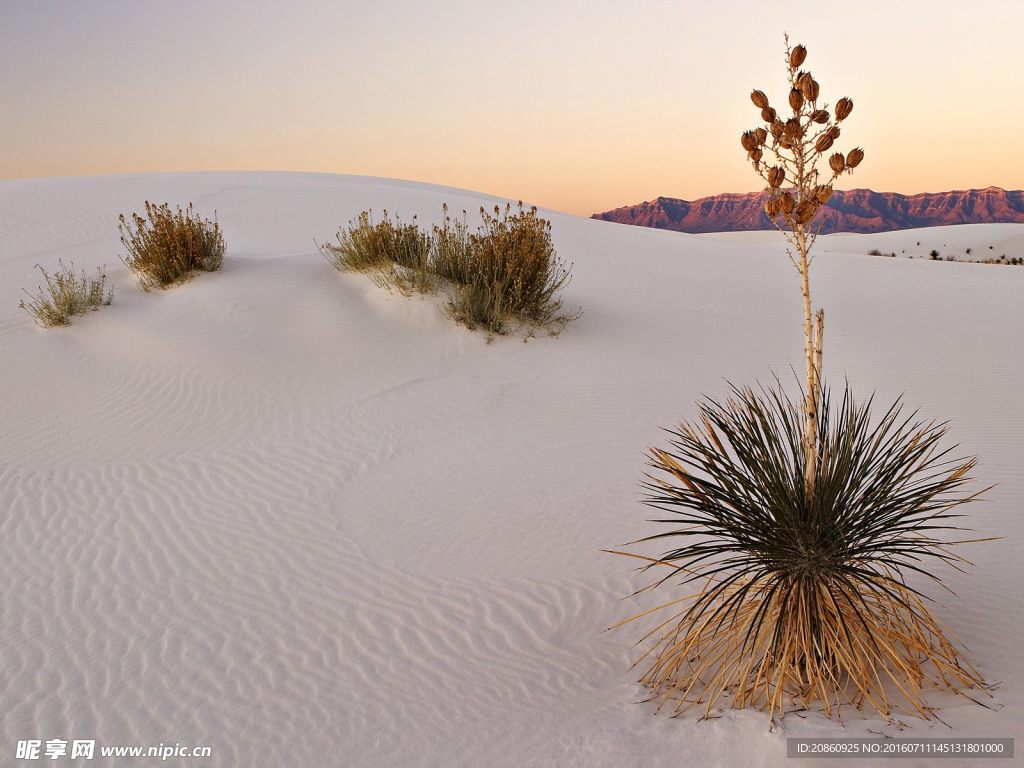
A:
67	294
166	247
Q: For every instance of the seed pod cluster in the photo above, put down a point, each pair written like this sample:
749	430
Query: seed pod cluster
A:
798	140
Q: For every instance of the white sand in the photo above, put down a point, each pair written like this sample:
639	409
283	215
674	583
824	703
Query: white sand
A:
282	513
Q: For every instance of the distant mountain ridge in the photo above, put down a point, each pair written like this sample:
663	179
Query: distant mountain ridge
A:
855	210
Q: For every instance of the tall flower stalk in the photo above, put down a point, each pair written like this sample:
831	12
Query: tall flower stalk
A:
796	146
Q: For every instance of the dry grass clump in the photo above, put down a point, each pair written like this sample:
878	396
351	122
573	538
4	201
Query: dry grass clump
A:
394	254
66	294
800	601
166	247
507	271
513	272
452	253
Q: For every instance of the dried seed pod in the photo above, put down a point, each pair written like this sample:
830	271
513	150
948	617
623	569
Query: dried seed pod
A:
824	143
834	132
748	140
792	129
772	208
796	99
768	114
776	176
837	162
777	128
801	78
809	88
820	116
785	143
785	202
759	99
797	56
854	158
761	135
843	108
755	156
805	211
823	193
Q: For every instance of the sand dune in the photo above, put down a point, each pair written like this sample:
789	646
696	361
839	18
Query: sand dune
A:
282	513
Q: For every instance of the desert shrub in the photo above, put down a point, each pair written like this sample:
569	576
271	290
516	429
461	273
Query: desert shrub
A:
798	601
874	252
66	294
165	247
506	269
394	254
452	256
514	271
934	255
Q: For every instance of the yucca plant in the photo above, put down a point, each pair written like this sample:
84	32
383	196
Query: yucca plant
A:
804	530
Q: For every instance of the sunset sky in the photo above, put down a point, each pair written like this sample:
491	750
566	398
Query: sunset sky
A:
578	106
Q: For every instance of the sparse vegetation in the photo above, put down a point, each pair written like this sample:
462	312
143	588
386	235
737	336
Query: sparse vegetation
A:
798	521
65	294
507	271
166	247
969	257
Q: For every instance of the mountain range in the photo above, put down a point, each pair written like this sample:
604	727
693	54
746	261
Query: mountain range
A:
855	210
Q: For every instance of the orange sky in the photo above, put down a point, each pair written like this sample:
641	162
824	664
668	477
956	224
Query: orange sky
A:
578	106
